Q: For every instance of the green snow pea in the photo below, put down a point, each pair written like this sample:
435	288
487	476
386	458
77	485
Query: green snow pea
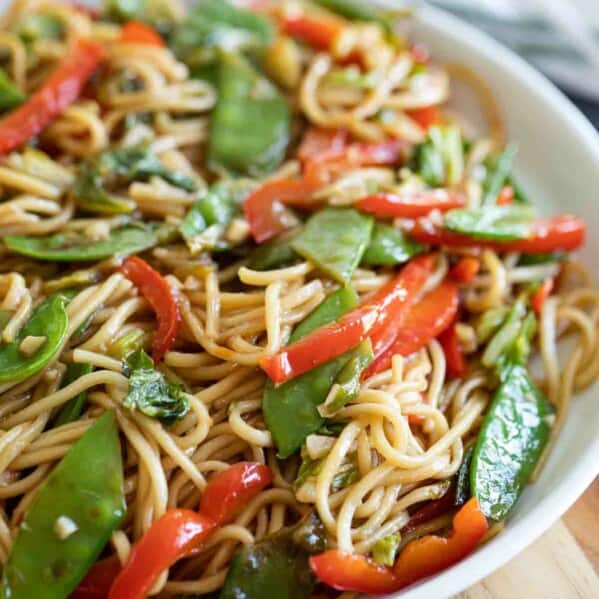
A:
389	246
385	549
76	247
462	489
277	567
275	253
73	409
440	159
10	95
48	320
511	440
35	27
72	517
498	173
251	121
216	24
291	410
500	223
335	240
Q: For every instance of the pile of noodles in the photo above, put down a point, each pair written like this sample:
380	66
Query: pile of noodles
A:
228	327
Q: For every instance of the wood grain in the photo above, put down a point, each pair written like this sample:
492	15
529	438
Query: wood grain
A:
562	564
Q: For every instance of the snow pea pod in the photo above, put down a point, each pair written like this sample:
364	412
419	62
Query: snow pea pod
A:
389	246
76	247
365	11
50	321
499	223
251	121
335	240
72	517
291	410
275	253
10	95
510	443
498	173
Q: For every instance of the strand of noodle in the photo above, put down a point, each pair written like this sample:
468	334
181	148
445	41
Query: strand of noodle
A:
265	278
242	429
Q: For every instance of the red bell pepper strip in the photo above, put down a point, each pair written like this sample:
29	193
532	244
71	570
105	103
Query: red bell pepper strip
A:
322	144
454	357
424	320
170	538
465	269
369	319
161	297
541	294
432	554
433	509
136	32
320	32
264	208
564	232
60	90
425	117
506	196
412	204
351	572
230	490
98	580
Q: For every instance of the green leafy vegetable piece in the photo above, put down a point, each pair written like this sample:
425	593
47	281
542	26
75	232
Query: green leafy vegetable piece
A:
73	409
499	223
150	393
384	550
389	246
511	440
129	343
10	94
120	167
76	247
49	320
251	121
213	212
535	259
291	410
335	240
498	173
277	566
440	159
71	518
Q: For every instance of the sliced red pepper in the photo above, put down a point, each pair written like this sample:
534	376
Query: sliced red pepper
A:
454	356
564	232
541	294
351	572
432	554
230	490
425	117
264	208
170	538
423	321
465	270
160	295
60	90
369	319
136	32
322	144
506	196
433	509
320	32
413	204
98	580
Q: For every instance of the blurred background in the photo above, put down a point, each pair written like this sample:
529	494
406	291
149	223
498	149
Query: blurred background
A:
560	37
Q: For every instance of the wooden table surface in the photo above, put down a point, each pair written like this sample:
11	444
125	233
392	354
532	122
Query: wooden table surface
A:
562	564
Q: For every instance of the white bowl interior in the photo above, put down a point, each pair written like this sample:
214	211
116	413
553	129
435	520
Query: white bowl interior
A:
558	167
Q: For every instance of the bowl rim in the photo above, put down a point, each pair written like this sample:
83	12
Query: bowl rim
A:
519	535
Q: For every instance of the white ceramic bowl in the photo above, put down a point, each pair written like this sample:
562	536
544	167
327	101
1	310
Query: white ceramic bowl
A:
558	167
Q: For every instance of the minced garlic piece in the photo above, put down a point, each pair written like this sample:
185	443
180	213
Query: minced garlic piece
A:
64	527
